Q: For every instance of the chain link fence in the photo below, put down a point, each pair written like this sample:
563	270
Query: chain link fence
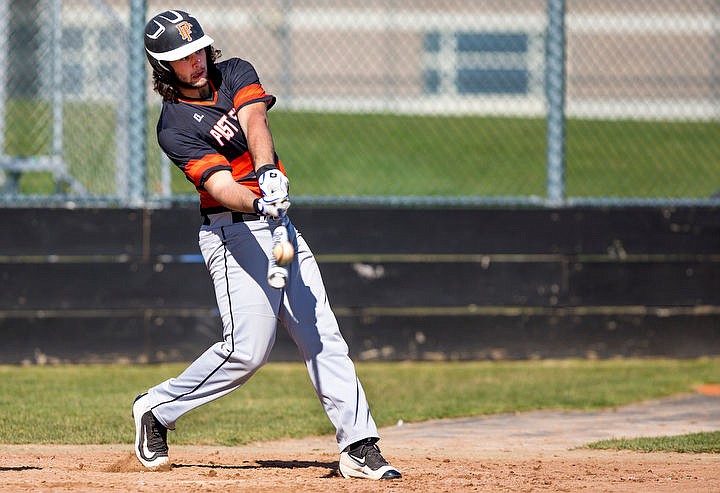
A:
459	102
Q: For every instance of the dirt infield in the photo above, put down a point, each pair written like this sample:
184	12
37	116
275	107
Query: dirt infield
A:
534	451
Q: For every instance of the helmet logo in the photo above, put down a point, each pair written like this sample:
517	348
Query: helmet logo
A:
185	30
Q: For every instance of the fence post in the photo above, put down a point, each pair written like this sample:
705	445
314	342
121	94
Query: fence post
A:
136	166
555	80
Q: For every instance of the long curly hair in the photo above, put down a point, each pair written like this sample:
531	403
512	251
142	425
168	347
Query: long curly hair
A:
165	84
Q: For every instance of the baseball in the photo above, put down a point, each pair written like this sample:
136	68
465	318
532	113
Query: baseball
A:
283	252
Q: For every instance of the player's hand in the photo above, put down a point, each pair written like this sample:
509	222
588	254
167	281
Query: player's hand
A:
274	207
273	184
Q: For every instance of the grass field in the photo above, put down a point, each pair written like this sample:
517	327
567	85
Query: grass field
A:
395	155
91	404
690	443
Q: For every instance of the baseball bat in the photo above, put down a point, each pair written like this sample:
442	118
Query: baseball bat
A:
277	272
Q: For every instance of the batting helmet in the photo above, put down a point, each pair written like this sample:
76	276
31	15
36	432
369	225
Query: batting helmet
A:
172	35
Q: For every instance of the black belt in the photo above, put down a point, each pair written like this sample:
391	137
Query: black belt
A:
237	217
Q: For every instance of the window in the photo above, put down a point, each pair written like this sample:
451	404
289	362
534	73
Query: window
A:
469	63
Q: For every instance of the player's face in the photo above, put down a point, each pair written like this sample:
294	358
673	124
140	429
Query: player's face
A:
192	70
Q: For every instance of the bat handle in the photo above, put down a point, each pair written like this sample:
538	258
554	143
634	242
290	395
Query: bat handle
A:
277	276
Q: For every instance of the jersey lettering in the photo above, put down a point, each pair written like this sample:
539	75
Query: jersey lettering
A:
224	129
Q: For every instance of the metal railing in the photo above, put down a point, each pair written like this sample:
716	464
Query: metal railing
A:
401	103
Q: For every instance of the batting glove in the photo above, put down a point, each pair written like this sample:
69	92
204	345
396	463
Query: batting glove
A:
273	207
272	181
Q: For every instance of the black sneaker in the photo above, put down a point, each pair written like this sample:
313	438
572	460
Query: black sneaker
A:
363	460
150	436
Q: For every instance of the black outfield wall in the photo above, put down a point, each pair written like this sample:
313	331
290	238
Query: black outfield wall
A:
128	285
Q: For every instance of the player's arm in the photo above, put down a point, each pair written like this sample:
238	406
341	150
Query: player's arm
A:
221	185
253	121
273	183
223	188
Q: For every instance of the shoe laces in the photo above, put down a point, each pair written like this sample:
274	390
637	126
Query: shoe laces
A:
371	452
157	435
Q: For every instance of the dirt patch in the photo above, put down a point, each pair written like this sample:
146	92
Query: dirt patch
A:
275	468
536	451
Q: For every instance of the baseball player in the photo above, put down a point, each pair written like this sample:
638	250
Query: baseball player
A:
213	126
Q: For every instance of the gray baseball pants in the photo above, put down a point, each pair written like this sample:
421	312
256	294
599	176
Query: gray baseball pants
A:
236	255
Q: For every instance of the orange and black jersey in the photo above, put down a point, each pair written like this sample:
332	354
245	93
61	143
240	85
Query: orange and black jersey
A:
204	136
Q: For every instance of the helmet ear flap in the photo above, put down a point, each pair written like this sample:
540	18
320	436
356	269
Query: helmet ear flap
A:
163	69
166	68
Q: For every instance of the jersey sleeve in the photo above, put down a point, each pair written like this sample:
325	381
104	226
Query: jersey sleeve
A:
195	158
247	87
